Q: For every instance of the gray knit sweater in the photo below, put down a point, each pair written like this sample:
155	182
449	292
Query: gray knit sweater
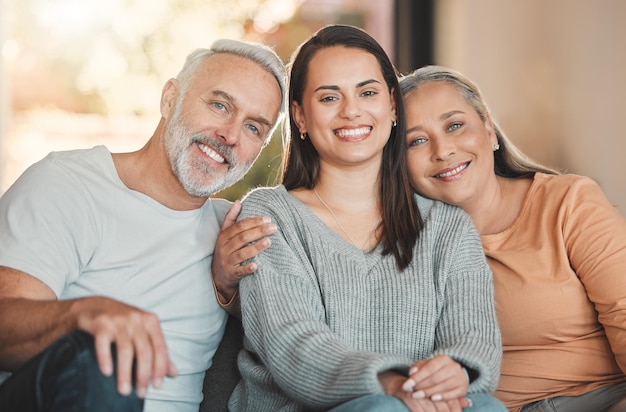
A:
322	318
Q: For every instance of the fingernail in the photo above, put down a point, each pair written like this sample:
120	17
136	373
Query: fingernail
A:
408	385
141	392
266	219
124	389
436	397
412	370
107	370
418	395
157	383
470	402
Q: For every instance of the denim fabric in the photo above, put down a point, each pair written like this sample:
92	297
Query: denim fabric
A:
609	398
65	377
481	402
372	403
484	402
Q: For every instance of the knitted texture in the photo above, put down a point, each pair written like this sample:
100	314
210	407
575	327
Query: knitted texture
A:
323	319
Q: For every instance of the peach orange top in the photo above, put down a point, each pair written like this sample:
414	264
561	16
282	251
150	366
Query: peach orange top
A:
560	285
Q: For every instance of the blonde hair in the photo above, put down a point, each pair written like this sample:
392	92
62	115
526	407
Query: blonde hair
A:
509	161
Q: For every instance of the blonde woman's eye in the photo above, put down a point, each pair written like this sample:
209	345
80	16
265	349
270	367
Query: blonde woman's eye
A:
454	126
417	142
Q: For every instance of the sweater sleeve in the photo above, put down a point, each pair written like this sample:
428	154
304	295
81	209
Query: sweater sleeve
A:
284	319
595	237
468	330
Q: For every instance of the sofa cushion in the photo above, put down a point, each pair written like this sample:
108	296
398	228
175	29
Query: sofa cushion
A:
222	377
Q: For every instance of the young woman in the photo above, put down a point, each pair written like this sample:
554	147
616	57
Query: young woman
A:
369	297
556	246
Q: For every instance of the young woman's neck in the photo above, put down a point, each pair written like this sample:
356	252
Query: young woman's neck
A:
358	185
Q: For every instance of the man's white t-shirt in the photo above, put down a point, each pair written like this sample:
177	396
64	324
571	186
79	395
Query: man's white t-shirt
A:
71	222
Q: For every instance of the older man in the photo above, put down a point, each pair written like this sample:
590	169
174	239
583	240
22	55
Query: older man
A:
106	295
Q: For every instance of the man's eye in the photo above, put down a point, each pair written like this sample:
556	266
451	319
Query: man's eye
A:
219	106
253	129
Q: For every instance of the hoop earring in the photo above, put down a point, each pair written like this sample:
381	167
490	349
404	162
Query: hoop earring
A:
302	136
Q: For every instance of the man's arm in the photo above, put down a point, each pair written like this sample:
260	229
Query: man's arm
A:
31	318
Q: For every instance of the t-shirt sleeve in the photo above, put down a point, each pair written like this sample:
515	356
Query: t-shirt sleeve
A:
43	221
595	237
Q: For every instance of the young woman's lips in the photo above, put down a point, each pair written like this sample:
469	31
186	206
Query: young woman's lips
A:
353	134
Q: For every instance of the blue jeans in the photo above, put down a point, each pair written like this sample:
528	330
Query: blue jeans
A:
65	377
610	398
481	402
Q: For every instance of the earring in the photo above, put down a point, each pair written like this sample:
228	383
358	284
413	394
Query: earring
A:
496	147
394	124
302	136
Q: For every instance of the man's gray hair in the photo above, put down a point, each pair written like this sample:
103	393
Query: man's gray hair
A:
257	52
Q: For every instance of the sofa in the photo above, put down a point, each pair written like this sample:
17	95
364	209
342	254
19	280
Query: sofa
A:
223	375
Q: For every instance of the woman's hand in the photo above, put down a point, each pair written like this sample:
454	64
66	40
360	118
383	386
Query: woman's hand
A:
393	384
437	379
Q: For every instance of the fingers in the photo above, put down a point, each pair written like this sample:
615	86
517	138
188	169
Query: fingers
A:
246	231
238	242
392	384
139	344
172	370
133	345
426	405
102	345
153	362
437	379
231	216
125	355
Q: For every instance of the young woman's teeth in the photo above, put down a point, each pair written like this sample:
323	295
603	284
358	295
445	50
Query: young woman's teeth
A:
353	132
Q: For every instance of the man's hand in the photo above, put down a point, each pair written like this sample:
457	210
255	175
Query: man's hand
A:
236	243
137	336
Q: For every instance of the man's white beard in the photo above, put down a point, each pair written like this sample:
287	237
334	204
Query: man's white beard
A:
198	177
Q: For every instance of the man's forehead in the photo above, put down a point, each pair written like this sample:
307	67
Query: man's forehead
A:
242	82
234	66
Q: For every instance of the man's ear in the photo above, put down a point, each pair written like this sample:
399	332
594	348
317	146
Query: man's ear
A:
169	94
298	116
